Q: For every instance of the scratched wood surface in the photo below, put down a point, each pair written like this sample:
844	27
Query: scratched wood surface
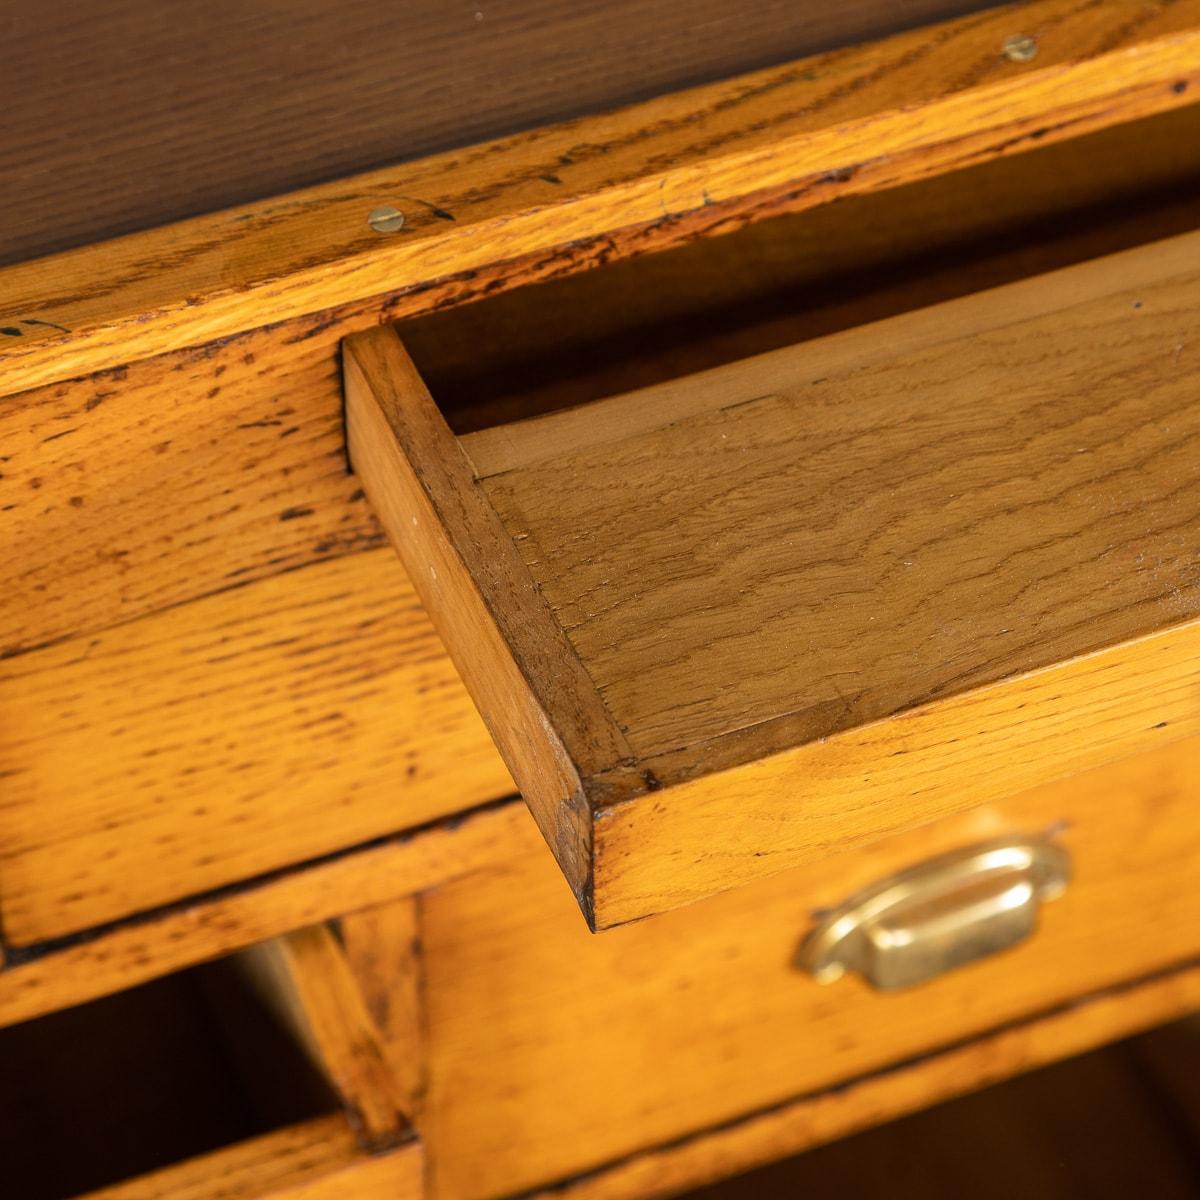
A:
52	976
740	567
607	186
697	1017
837	531
272	529
226	738
263	98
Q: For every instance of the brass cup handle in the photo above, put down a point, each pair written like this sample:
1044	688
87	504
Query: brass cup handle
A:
938	915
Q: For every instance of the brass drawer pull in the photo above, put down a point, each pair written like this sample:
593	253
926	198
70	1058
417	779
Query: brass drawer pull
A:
939	915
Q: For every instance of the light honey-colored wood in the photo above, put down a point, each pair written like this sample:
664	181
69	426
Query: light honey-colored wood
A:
116	504
306	981
833	591
252	432
906	1087
554	1053
141	949
842	123
209	743
319	1160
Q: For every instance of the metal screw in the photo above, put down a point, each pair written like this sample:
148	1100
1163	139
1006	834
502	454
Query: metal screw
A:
386	219
1019	48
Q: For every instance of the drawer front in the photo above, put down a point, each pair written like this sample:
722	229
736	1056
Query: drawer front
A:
552	1052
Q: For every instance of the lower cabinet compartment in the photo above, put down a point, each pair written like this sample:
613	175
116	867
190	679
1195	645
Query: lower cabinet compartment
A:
552	1053
244	1078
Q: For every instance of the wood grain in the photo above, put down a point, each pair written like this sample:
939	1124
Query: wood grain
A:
697	1017
218	740
171	479
261	99
318	1160
849	528
306	981
711	158
775	283
946	520
855	787
97	963
907	1087
93	543
116	503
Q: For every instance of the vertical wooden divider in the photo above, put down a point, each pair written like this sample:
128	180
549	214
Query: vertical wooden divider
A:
383	950
305	979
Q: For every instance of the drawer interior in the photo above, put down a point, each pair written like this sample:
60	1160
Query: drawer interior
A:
762	605
659	316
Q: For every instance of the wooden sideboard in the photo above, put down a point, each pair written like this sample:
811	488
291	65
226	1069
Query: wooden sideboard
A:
795	479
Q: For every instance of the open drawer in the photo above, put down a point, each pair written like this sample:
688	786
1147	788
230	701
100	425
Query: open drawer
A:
724	624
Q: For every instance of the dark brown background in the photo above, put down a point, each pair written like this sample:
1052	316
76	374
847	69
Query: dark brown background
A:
116	115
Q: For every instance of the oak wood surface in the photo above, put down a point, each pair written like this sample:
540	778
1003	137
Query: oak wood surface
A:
305	979
796	1126
95	964
698	1017
261	97
841	530
710	158
247	433
319	1160
59	975
237	448
218	740
759	566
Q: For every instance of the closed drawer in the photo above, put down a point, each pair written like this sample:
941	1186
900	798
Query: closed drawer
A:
733	622
552	1053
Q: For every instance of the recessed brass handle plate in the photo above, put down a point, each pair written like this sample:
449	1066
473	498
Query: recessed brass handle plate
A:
938	915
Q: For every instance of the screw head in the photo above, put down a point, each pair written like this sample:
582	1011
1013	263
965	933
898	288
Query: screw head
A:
386	219
1019	48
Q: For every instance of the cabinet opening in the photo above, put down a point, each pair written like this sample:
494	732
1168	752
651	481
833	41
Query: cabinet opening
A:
146	1078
